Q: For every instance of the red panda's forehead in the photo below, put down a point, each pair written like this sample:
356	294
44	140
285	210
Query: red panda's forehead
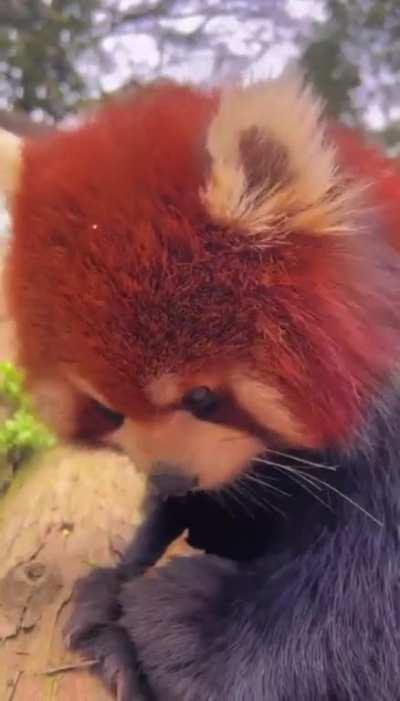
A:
138	270
294	315
173	308
135	158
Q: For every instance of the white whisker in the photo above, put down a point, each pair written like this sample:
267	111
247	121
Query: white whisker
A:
350	501
238	497
319	484
288	469
300	480
259	500
266	483
304	461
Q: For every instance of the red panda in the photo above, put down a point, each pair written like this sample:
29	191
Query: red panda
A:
209	280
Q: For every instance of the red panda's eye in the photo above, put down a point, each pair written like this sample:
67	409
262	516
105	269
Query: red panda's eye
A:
202	402
112	418
96	420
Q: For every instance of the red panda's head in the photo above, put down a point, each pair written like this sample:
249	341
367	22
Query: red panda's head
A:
192	275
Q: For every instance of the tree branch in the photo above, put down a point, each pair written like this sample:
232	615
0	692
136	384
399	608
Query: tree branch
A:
21	124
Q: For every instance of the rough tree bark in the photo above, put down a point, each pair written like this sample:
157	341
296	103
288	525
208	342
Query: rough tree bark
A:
65	511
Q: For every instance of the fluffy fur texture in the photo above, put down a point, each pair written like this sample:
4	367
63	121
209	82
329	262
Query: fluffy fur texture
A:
232	240
118	261
266	149
304	606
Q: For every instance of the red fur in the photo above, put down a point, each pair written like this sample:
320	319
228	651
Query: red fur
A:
117	270
381	173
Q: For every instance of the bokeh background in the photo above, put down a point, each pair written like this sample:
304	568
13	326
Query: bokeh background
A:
58	56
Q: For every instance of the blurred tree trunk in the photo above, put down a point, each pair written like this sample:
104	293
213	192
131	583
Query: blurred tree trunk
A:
65	511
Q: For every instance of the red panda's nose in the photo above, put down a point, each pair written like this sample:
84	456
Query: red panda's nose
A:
167	481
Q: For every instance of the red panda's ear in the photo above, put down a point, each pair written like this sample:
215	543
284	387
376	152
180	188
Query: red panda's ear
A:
273	170
10	164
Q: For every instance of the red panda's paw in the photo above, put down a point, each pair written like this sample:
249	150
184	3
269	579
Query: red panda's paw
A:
94	633
95	604
115	661
110	647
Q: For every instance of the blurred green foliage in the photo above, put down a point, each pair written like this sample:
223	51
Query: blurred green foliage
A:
20	430
39	43
358	48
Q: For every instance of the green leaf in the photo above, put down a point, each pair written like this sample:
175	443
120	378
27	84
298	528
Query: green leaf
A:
22	430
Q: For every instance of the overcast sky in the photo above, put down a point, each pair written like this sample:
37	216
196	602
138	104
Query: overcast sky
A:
198	63
254	47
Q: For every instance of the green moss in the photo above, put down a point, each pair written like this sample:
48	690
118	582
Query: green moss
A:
21	432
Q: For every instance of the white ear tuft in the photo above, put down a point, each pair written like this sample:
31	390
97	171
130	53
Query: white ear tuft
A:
272	169
10	163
